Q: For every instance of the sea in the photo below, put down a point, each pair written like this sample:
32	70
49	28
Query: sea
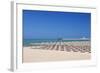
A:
27	42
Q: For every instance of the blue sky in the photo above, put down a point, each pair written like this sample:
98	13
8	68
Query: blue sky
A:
50	24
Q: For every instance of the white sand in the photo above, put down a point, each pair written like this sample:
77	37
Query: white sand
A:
39	55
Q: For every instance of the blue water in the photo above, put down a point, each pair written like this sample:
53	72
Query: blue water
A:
27	42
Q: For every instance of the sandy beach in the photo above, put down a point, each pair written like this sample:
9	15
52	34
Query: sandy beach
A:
57	51
56	35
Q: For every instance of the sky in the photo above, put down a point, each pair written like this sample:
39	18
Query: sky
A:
51	24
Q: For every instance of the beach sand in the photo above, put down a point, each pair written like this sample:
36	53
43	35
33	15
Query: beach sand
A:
41	55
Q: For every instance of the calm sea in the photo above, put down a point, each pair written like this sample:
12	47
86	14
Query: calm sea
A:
27	42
